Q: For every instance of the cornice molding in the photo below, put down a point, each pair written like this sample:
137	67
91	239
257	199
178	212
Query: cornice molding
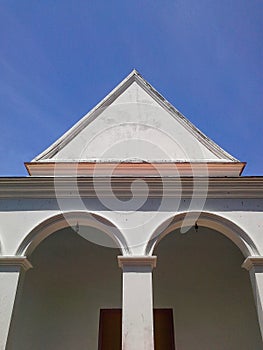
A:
253	262
15	261
89	187
137	261
135	169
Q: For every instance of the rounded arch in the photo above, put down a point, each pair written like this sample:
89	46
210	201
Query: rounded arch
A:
206	219
71	219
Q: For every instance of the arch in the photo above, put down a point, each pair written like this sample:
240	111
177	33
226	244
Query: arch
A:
71	219
206	219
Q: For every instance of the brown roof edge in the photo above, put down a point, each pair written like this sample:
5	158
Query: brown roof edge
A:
161	169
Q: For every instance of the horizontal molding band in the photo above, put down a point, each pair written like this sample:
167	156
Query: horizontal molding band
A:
137	261
15	261
89	187
253	262
120	168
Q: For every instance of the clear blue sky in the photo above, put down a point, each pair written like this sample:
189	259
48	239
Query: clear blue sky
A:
58	58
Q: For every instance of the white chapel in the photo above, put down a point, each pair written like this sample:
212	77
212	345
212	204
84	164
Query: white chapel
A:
133	231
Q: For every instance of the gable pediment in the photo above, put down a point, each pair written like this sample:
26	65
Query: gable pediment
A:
134	124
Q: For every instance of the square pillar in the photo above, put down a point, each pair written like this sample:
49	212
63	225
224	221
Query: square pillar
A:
10	269
137	304
254	264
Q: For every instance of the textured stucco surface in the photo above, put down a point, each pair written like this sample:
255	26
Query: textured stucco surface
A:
133	127
199	275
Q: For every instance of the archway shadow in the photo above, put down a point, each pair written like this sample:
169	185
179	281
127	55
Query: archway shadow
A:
62	295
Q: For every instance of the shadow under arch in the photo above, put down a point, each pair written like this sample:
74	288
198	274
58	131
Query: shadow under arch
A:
213	221
71	219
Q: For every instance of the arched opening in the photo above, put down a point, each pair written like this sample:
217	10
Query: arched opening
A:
110	235
210	220
199	277
71	281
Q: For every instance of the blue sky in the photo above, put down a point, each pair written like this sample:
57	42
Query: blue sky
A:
59	58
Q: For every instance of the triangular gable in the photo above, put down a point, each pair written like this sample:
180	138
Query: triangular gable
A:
134	124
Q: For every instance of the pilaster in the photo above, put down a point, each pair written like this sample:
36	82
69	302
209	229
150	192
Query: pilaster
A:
137	310
11	268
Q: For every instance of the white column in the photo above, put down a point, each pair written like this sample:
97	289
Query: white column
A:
10	269
137	304
254	264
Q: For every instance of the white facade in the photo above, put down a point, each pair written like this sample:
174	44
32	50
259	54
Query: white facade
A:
132	178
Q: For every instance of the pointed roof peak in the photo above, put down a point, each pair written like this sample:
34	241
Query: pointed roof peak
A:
134	112
135	72
134	75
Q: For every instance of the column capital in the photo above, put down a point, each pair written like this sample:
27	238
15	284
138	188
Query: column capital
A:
253	262
137	261
15	261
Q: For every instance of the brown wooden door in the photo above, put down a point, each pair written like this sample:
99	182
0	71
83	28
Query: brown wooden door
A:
163	329
110	329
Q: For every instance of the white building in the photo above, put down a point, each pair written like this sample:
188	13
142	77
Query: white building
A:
133	209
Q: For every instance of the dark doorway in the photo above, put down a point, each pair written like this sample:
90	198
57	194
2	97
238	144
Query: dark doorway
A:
163	329
110	329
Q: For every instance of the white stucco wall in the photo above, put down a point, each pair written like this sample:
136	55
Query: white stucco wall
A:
135	126
199	275
19	217
62	274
